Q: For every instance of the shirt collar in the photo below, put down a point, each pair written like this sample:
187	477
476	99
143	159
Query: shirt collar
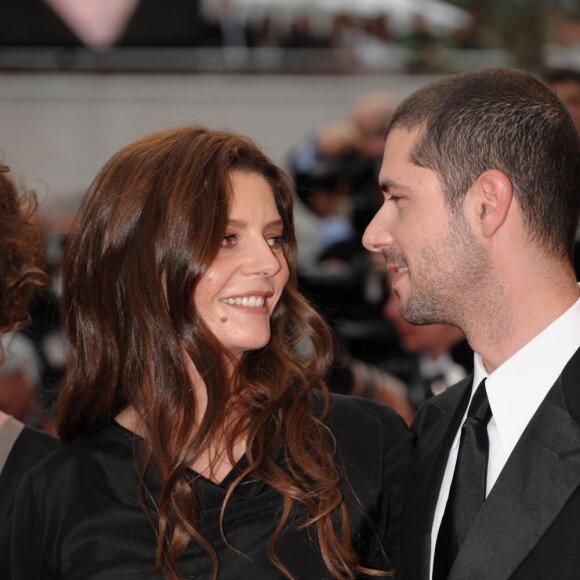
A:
517	387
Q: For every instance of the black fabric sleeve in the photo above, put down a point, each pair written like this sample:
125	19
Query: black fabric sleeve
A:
29	560
396	465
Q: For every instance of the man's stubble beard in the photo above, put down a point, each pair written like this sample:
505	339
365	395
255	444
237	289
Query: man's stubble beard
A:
449	281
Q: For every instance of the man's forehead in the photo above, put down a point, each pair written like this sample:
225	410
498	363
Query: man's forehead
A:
399	145
405	132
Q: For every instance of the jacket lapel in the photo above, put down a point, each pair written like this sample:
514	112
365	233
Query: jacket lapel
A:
436	425
540	475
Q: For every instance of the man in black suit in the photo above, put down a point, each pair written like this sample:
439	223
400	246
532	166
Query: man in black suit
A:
481	177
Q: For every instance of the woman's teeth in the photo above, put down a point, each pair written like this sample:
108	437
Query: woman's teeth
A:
251	301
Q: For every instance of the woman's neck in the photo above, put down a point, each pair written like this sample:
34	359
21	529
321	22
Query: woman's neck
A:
213	462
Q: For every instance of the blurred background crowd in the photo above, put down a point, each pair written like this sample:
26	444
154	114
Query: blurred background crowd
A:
316	36
60	60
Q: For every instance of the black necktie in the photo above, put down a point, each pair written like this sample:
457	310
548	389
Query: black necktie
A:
467	492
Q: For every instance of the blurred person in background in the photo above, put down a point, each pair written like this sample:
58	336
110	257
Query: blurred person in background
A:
45	330
335	177
421	43
322	208
566	84
200	439
20	380
21	258
434	356
334	171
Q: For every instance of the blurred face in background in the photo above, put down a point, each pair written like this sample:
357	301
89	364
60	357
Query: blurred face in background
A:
433	339
16	394
238	294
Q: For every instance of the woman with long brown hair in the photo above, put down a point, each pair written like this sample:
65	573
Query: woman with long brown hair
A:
201	441
21	258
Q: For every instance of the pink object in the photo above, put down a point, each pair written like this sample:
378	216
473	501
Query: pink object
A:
97	23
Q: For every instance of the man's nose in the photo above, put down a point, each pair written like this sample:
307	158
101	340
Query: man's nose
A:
378	235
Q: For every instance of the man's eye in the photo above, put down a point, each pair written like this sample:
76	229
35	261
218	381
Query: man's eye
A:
276	241
393	198
229	240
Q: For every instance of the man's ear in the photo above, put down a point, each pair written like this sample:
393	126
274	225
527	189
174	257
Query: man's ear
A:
489	200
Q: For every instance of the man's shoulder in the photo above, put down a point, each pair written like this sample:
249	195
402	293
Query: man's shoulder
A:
435	407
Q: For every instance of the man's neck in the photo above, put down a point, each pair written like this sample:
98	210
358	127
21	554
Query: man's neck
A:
505	328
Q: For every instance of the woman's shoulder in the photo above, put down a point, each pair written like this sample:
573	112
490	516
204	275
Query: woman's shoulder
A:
95	454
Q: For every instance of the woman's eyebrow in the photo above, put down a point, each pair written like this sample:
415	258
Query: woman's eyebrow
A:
242	224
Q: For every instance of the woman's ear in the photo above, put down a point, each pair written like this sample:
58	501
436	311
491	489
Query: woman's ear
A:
489	200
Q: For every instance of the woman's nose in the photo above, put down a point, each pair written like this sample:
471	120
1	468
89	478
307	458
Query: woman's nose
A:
263	260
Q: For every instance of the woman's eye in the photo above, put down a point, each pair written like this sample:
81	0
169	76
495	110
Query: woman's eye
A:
229	240
276	241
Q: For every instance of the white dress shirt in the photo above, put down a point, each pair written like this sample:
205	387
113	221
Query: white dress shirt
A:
515	390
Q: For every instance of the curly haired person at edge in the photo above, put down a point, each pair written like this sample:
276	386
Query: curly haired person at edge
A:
200	439
21	258
481	176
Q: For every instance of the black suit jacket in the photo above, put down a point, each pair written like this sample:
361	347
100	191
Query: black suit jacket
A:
529	526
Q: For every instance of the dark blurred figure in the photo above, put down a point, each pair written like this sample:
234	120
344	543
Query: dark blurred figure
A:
335	173
265	33
566	84
225	28
20	381
21	257
301	35
422	45
433	358
45	330
470	37
323	185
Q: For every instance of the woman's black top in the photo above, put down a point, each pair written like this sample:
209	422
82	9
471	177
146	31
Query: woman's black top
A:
79	516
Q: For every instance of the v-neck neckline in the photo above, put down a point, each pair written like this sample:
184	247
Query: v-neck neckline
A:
249	486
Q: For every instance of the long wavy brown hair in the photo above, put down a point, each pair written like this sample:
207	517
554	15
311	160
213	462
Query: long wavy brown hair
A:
21	254
150	227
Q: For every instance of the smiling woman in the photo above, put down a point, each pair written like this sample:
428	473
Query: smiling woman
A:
246	280
200	437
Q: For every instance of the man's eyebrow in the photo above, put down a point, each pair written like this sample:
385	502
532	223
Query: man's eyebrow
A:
387	185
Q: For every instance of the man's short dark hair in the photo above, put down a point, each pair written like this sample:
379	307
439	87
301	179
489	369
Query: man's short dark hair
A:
504	119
